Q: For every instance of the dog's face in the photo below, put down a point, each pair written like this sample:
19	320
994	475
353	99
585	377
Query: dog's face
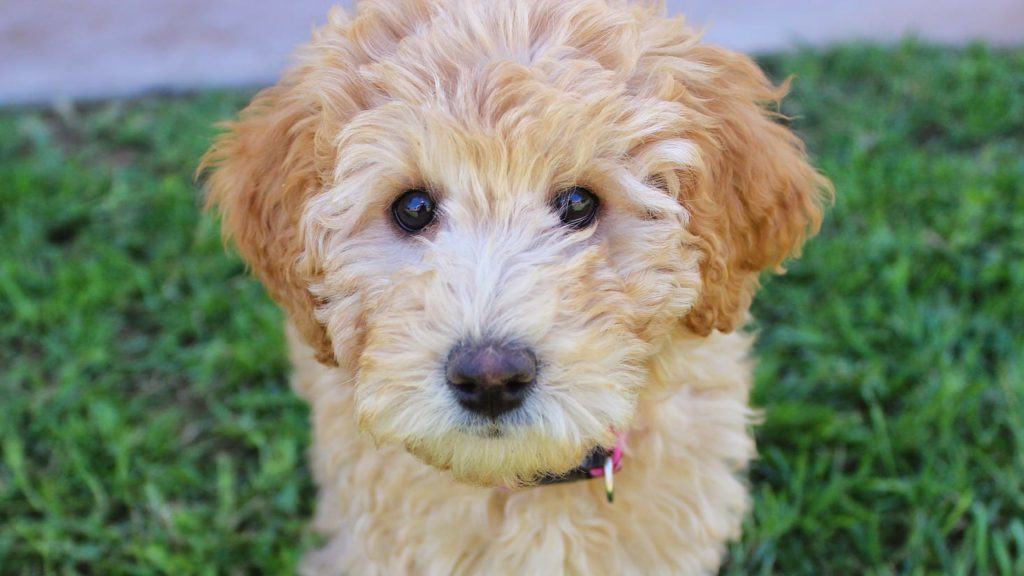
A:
492	216
499	279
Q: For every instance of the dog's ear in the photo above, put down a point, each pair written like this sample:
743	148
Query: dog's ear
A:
261	174
755	198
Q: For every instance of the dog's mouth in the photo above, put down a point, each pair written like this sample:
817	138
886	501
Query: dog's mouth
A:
501	443
494	428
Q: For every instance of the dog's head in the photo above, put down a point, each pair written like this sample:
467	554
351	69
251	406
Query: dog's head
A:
492	215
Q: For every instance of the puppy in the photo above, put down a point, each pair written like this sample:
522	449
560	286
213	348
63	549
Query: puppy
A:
516	241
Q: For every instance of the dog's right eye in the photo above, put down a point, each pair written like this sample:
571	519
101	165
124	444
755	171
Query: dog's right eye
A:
576	207
413	210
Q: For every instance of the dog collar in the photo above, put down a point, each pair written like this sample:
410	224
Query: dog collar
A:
600	462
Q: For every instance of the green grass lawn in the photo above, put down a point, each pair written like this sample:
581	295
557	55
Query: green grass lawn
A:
146	425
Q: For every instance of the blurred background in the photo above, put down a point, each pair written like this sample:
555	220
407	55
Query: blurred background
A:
65	49
146	425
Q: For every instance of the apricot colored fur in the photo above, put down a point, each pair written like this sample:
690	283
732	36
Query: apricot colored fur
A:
494	107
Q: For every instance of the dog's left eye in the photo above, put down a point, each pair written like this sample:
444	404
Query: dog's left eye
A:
414	210
577	207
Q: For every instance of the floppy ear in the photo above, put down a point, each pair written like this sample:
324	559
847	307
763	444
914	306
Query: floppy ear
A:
262	173
756	198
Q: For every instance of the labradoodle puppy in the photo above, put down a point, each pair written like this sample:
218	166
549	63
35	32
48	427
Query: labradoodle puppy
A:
516	242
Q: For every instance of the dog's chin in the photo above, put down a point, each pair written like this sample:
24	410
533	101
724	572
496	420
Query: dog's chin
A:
499	457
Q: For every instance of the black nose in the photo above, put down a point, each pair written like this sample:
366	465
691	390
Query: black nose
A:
491	379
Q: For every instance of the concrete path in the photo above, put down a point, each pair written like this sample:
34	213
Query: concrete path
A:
53	50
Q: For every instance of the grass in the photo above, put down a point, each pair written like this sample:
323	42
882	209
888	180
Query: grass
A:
146	425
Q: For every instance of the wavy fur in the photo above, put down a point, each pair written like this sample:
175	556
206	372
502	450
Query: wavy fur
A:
494	107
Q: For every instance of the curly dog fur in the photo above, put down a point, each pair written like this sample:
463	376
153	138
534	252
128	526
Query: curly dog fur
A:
494	107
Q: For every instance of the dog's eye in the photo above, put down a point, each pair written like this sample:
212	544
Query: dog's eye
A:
414	210
576	206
